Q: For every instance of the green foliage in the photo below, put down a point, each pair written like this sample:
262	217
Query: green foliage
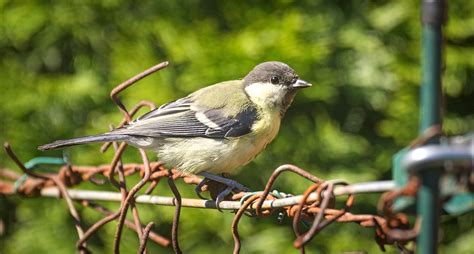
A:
58	62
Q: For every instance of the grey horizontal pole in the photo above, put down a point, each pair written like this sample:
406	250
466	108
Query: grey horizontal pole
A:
369	187
436	156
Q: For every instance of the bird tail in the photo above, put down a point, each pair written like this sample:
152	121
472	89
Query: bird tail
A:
106	137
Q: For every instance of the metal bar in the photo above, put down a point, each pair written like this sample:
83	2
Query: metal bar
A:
371	187
436	156
429	162
430	113
428	205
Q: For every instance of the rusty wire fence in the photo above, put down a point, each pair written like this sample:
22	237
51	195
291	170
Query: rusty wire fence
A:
316	207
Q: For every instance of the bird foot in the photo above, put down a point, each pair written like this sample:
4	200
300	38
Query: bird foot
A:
219	187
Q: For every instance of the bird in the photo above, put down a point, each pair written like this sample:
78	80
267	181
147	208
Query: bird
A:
216	129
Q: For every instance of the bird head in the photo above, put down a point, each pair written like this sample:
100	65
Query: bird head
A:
273	85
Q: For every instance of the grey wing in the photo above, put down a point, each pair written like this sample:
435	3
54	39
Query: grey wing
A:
180	119
178	106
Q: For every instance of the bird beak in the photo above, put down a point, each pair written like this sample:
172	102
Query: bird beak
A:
300	84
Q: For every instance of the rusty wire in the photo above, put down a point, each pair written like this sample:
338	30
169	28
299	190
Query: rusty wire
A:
310	208
235	222
128	198
274	176
123	191
61	186
152	235
118	89
317	204
325	193
177	212
143	240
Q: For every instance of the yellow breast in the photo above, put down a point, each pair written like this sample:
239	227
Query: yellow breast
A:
266	129
263	132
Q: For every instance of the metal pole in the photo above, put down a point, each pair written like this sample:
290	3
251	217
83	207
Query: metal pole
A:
428	205
432	17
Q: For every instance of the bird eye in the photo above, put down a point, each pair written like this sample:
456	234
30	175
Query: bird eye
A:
275	80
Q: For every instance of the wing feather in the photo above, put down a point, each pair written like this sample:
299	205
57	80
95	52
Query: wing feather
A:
179	119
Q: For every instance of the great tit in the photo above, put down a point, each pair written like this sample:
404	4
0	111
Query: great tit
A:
216	129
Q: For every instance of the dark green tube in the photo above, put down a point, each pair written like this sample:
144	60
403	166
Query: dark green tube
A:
431	77
428	205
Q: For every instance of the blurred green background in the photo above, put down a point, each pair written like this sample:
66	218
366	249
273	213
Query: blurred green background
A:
60	59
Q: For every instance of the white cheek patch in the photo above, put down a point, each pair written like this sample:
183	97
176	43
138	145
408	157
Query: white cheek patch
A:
265	94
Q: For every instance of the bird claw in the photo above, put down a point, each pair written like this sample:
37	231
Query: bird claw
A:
198	188
222	196
230	184
225	181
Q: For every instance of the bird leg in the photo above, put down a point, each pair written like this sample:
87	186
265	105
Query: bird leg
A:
198	188
226	181
224	187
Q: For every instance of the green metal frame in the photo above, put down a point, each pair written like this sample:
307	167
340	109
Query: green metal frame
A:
429	204
406	162
428	161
